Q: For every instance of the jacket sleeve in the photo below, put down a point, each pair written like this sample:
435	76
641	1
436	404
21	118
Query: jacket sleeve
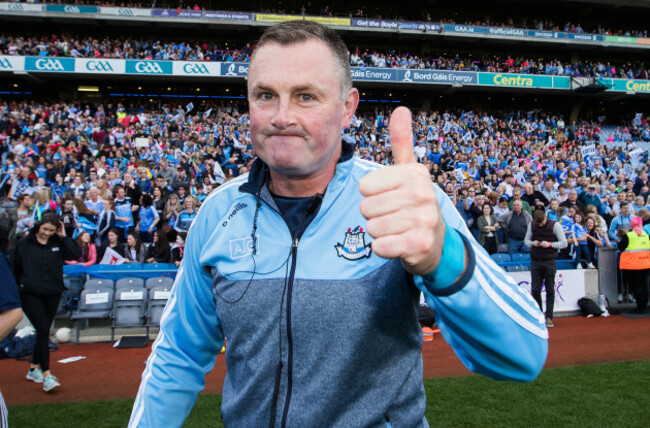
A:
71	250
495	327
184	352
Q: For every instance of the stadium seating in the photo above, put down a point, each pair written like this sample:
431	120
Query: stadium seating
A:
128	308
96	302
157	300
501	257
160	281
129	284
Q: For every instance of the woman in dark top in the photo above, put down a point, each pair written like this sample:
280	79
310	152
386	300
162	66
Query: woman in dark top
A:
38	267
113	243
159	251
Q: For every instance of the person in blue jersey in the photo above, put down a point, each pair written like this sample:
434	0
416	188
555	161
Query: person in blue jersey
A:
123	211
187	216
148	219
312	233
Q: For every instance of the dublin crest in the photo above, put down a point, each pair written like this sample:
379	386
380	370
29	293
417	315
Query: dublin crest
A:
354	246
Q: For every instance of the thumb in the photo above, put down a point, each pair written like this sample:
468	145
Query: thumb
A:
401	136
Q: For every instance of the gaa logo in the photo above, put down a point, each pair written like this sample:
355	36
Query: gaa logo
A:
71	9
125	11
4	63
196	69
49	65
99	66
148	67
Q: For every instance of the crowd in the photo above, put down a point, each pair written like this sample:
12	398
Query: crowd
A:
133	48
377	12
130	179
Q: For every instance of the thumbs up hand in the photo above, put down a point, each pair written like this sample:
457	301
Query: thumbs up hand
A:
400	205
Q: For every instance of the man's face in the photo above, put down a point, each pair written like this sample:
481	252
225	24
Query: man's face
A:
297	110
548	185
625	210
573	196
516	206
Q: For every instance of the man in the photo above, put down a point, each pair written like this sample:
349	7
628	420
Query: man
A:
181	179
123	211
94	203
516	196
549	191
573	202
514	225
165	171
591	198
284	245
545	238
620	222
535	198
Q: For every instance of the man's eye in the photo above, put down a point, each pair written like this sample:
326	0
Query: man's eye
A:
266	96
306	97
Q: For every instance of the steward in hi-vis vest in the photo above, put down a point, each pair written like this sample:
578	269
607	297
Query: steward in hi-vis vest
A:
637	254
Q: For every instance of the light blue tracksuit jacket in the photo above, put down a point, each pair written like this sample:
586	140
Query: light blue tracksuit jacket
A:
342	321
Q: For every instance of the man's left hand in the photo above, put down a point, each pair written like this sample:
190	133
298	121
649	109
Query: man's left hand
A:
400	204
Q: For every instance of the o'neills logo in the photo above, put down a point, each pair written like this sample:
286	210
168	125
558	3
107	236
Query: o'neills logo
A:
240	206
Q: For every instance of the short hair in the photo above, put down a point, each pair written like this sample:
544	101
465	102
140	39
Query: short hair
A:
539	216
294	32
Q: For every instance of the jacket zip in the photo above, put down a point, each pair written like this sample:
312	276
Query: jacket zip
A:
287	402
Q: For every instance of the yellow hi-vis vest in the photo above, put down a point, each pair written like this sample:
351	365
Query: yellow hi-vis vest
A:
637	254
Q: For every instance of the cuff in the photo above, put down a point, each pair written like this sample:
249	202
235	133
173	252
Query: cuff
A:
448	277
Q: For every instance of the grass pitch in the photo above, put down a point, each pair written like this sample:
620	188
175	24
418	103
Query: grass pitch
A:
605	395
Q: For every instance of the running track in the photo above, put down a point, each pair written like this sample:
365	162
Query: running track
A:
109	373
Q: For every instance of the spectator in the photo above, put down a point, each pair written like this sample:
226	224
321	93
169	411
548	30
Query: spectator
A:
579	239
112	242
38	267
106	221
595	240
135	252
68	216
148	219
178	248
534	198
515	224
84	219
159	251
620	222
124	211
488	226
590	197
94	203
516	196
187	216
88	251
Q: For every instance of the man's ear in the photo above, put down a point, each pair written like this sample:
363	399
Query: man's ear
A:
350	106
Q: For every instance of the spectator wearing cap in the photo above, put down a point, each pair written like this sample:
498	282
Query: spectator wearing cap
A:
181	179
590	197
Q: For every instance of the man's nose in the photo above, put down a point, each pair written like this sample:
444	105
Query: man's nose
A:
284	114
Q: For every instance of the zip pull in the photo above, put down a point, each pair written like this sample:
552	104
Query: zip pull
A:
294	246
